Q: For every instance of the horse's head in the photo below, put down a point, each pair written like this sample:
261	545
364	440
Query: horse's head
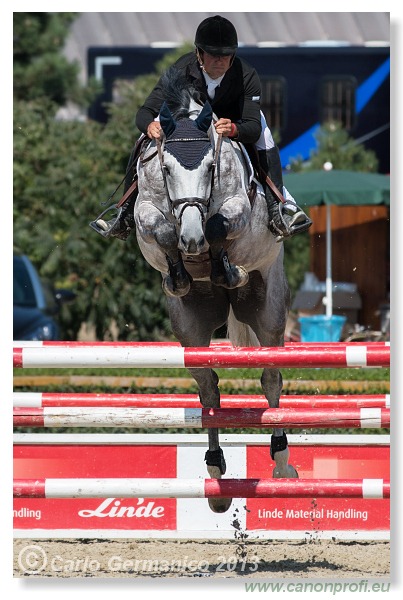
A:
188	168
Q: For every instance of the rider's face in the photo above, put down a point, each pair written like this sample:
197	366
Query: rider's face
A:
216	65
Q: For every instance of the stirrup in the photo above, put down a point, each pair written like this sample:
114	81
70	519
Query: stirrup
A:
285	225
112	227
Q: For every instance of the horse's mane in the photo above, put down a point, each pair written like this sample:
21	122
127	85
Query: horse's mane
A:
178	92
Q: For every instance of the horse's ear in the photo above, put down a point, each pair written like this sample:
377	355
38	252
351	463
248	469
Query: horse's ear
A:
167	121
203	121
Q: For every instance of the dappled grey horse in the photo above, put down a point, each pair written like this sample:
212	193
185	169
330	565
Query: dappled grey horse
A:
219	262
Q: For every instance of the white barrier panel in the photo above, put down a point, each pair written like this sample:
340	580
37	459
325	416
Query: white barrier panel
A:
157	456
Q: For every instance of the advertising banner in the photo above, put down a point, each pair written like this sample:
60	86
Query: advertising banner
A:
142	456
315	514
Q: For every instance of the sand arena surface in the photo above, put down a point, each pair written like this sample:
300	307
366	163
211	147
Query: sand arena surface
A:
245	559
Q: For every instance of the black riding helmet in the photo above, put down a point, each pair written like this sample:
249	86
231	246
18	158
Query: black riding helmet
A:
216	35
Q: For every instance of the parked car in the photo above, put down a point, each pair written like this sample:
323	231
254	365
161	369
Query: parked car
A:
36	303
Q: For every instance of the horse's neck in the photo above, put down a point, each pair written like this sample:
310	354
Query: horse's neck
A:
151	170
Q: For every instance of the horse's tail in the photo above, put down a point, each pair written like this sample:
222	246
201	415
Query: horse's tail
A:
239	334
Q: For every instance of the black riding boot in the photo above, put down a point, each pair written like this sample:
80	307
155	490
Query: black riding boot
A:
285	220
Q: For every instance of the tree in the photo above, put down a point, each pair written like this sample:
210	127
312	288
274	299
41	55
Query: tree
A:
40	69
63	172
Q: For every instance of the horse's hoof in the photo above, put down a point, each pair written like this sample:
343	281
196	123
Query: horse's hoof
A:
177	289
233	278
219	505
216	465
289	472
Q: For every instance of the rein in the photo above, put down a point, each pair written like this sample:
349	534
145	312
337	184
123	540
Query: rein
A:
138	153
134	184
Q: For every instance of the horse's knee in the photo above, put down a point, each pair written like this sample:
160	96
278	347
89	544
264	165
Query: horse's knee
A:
216	229
165	236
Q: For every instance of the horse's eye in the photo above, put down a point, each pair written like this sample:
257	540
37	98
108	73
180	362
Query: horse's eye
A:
167	171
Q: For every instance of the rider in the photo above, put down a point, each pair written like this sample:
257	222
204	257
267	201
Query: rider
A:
233	89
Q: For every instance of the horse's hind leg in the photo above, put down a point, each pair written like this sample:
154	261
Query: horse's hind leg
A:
268	322
207	381
270	331
272	383
194	318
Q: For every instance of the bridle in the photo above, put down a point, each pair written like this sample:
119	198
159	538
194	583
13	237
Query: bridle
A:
183	203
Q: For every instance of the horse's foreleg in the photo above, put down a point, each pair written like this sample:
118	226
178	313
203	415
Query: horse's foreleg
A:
225	225
152	226
223	273
177	282
207	381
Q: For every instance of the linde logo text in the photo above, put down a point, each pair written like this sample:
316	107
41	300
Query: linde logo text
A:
113	508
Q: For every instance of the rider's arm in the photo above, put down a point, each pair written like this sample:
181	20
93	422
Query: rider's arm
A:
150	109
249	126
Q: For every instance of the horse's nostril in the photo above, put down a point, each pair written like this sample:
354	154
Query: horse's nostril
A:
192	246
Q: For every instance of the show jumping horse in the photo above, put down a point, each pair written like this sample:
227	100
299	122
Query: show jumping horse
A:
220	263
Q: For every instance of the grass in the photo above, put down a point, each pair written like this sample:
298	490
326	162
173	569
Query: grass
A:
378	376
342	374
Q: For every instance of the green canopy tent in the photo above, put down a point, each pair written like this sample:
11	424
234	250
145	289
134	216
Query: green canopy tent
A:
339	188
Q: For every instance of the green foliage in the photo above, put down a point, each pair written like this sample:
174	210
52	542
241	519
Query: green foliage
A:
62	172
38	33
40	69
379	377
65	174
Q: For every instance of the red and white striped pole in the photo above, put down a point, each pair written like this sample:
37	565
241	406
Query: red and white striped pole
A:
202	417
219	344
61	399
199	488
121	356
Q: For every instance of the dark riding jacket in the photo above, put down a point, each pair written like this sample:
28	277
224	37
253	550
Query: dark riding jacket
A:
237	98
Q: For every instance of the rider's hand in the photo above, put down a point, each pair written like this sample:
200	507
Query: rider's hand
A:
154	130
226	128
